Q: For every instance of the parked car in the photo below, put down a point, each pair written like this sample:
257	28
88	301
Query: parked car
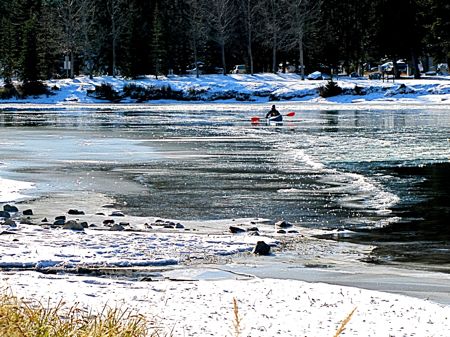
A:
239	69
389	66
317	75
203	69
193	68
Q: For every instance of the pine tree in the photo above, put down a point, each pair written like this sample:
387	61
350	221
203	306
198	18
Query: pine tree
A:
157	44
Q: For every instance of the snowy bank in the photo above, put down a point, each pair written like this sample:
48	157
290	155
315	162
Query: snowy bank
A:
265	307
238	87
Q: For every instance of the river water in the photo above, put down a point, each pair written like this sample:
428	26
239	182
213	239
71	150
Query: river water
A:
378	176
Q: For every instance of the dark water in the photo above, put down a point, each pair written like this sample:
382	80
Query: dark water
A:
374	176
422	233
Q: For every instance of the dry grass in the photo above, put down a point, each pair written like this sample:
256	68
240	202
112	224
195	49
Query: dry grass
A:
19	318
237	319
344	323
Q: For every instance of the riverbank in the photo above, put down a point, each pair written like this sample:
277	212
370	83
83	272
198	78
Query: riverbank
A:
151	271
246	88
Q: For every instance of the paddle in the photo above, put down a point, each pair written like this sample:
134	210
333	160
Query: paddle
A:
256	119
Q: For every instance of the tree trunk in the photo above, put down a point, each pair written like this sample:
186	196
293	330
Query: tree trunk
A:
114	42
224	65
72	67
301	56
249	42
415	63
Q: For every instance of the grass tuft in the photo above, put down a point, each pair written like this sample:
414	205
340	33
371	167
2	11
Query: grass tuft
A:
344	323
34	319
237	319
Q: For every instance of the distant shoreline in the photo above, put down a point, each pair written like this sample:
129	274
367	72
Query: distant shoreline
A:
235	88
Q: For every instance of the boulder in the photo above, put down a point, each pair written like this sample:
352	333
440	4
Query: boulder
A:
60	217
10	208
261	248
5	215
283	224
108	222
26	221
236	230
117	227
75	212
117	213
59	222
27	212
73	225
10	222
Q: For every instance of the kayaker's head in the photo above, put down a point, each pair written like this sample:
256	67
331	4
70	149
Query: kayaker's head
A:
273	107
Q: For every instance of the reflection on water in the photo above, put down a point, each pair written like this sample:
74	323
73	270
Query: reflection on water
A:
381	174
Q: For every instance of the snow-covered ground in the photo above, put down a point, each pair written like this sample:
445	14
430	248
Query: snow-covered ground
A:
178	276
266	307
259	88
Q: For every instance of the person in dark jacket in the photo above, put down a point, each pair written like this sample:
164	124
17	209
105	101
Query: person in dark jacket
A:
273	112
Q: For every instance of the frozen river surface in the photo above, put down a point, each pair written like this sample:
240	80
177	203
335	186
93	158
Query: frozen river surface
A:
375	176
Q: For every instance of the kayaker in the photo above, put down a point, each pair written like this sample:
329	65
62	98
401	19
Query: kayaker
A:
273	112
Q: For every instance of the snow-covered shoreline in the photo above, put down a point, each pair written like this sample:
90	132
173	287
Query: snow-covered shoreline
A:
256	88
187	280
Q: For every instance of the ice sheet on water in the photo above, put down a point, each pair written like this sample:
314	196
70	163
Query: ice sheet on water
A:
11	190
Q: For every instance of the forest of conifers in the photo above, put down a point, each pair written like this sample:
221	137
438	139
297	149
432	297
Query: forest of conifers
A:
135	37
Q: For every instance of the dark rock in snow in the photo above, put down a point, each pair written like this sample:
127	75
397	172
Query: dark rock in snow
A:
10	209
27	212
179	226
108	222
5	215
10	222
7	233
236	230
60	217
117	213
281	231
117	227
26	221
75	212
73	225
44	220
261	248
59	222
252	229
283	224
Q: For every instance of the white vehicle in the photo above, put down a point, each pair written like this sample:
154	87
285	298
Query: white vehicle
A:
239	69
317	75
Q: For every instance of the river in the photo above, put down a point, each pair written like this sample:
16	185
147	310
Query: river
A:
377	176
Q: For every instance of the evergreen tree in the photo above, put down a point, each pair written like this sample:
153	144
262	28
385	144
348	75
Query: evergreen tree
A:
7	42
27	15
157	44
